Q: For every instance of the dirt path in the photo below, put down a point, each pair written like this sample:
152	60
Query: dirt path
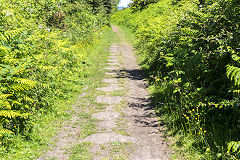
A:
139	126
127	127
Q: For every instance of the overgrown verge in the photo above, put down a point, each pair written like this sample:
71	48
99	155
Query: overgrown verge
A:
44	53
190	51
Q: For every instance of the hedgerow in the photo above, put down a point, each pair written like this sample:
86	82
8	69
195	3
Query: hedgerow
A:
190	51
41	47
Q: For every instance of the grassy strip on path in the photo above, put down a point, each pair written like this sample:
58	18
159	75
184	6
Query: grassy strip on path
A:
116	150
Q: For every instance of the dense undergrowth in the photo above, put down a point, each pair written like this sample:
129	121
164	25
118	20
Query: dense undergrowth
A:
44	49
190	51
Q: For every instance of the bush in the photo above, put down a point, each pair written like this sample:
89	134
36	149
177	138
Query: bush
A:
39	48
191	56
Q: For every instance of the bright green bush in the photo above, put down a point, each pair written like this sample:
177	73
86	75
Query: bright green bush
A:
40	44
190	52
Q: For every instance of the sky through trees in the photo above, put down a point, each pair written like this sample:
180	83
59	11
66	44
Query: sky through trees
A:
124	3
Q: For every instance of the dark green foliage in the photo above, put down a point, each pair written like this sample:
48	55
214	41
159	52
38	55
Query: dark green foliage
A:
191	55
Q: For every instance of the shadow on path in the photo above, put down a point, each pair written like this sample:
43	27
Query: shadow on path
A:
146	119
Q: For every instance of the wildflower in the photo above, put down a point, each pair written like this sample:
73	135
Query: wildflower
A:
205	131
187	117
193	110
8	13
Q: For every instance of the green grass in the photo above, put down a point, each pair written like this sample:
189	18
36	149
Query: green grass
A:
81	152
118	151
121	92
126	34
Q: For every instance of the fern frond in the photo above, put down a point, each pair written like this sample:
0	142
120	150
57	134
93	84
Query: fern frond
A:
46	68
10	34
3	37
3	49
23	84
233	73
236	91
26	98
4	96
25	81
5	104
10	60
4	131
21	70
46	86
10	114
235	57
15	103
19	87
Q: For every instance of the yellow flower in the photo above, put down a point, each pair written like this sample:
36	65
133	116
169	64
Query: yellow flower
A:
187	117
193	110
205	131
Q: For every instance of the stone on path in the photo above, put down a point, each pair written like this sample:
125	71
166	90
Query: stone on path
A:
111	68
110	89
112	60
110	81
114	49
108	100
112	57
106	115
112	73
106	126
104	138
112	64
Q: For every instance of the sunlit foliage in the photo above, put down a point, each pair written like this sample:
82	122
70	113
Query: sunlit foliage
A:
190	51
40	42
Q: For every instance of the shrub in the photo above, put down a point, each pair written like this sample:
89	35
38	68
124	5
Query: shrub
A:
39	48
191	56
